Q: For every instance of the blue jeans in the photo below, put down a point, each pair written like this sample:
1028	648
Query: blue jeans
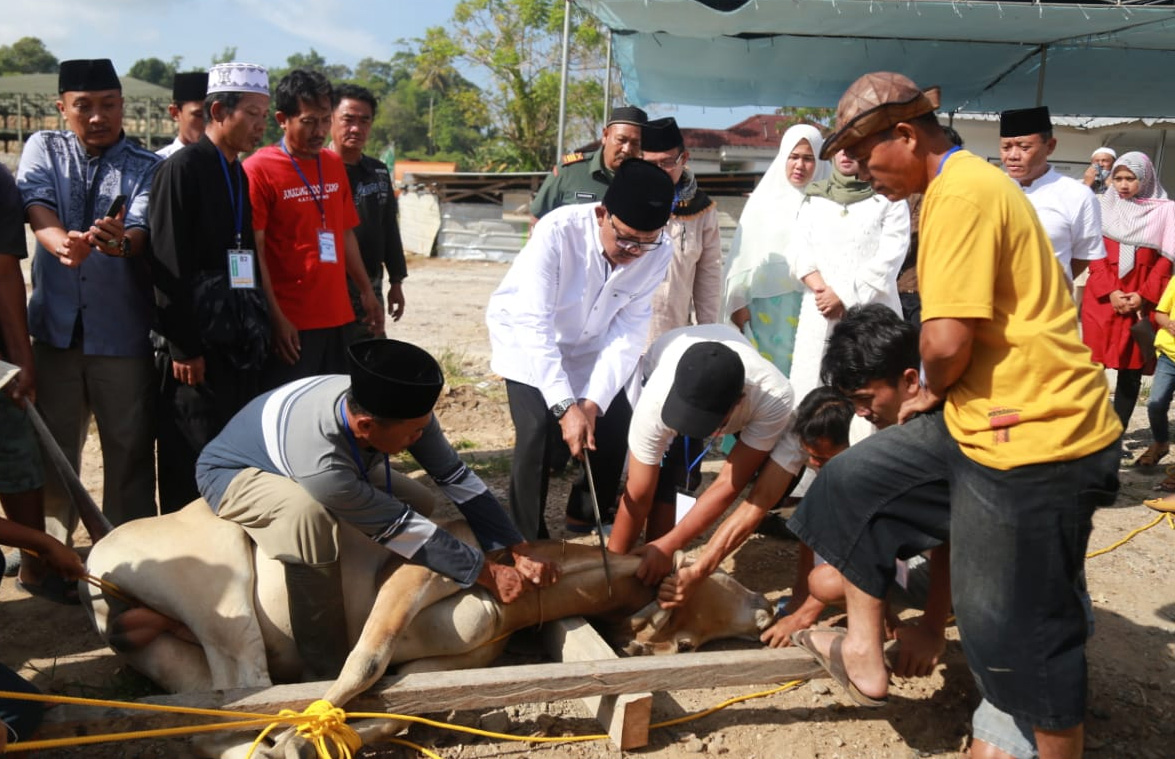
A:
1162	388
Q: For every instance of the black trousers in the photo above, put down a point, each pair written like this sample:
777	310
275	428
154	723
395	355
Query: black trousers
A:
530	469
190	416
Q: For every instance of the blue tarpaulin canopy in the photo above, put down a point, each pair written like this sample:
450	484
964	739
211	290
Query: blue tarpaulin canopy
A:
1098	58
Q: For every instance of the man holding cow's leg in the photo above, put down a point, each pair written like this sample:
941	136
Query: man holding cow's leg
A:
706	380
315	450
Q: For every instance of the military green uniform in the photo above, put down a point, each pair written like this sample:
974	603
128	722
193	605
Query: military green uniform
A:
581	178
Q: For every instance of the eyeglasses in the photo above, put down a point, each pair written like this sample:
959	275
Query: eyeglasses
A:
630	245
669	164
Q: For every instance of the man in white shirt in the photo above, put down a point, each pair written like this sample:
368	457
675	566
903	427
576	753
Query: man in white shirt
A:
188	91
1068	210
704	381
568	324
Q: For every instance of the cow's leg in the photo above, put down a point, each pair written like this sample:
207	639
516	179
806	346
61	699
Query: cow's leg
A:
410	589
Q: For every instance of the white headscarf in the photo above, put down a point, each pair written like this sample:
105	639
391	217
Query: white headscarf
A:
757	266
1145	221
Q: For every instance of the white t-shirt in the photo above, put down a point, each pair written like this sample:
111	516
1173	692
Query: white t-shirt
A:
1071	217
763	418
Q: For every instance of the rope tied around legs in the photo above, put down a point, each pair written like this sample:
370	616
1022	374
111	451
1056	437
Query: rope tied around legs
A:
322	725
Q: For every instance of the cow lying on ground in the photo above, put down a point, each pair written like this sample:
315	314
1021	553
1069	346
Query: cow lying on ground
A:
215	615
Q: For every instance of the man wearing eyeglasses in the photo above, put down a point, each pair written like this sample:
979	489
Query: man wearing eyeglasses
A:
694	280
568	324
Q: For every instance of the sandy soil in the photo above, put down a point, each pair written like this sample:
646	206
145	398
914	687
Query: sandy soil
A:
1131	658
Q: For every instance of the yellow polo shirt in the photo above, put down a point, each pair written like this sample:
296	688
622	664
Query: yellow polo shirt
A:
1031	393
1164	340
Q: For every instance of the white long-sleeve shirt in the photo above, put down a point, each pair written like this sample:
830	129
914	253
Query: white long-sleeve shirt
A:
563	320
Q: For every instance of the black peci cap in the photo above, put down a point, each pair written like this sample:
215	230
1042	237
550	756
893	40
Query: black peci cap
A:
661	135
87	75
189	86
1024	121
394	379
640	195
628	114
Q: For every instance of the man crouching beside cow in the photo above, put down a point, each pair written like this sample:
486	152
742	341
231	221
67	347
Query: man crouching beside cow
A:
315	450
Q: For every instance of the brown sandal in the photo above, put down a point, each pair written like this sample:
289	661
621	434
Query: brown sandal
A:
1152	455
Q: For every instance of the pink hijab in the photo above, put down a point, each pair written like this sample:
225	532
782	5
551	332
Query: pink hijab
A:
1145	221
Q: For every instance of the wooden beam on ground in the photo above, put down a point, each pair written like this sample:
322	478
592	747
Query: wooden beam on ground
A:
625	717
431	692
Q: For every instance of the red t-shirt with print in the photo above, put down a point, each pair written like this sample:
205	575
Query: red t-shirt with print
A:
312	293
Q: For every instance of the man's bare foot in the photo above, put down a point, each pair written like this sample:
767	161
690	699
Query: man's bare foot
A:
864	664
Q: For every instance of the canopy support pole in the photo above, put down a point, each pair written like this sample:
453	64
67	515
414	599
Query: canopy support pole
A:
1044	59
563	79
608	78
1159	151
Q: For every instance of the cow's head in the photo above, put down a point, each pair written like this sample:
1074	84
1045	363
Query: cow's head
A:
721	607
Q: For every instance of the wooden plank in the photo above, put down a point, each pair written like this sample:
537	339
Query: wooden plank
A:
624	717
432	692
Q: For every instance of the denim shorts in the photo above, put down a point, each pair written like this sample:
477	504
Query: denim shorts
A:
21	469
1018	541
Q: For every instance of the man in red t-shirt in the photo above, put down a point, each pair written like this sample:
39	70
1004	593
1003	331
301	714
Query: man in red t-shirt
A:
304	220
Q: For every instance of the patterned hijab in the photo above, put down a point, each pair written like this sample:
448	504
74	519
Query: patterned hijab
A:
1145	221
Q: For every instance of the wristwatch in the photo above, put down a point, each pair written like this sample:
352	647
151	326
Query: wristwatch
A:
124	246
560	408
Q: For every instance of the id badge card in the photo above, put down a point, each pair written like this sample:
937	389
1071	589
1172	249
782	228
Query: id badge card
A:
326	247
240	269
683	504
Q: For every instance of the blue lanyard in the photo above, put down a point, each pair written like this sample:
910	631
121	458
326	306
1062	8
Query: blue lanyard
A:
690	467
355	449
321	184
945	156
235	199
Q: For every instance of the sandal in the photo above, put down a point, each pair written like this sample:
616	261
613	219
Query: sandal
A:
834	665
1152	455
1167	485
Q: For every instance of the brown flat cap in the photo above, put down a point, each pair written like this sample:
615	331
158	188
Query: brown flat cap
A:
874	103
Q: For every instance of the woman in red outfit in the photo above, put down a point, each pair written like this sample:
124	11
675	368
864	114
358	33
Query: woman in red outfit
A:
1124	287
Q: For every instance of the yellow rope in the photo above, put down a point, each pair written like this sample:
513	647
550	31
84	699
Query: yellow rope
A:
321	724
1170	522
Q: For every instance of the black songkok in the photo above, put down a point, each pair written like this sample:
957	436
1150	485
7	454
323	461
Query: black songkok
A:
394	379
661	136
189	87
640	195
1025	121
86	75
628	114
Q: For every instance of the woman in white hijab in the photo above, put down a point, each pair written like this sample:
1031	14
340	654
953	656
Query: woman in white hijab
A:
761	296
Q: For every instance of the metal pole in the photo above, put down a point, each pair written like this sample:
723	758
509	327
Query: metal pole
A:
1159	152
563	78
20	121
608	78
1044	59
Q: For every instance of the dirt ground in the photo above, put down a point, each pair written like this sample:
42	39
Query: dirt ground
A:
1131	657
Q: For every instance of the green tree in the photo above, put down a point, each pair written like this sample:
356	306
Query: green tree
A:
155	71
518	44
228	55
315	62
434	71
28	55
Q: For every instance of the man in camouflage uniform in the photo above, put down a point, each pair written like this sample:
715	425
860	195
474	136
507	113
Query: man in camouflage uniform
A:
583	177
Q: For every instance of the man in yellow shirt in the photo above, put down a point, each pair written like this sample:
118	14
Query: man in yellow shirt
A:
1013	416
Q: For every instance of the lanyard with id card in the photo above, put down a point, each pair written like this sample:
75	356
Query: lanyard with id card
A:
240	260
327	252
685	498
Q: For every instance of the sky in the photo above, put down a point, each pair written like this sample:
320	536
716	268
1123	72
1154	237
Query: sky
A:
263	31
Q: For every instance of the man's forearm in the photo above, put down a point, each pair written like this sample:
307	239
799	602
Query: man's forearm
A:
946	352
13	313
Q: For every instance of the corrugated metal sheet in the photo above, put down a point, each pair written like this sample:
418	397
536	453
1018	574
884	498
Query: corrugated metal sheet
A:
478	232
